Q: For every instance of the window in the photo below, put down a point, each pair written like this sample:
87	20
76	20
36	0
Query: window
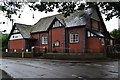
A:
74	37
111	42
44	39
15	36
15	31
102	41
88	34
57	24
57	43
92	34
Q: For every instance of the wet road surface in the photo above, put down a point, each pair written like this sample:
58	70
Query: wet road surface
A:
41	68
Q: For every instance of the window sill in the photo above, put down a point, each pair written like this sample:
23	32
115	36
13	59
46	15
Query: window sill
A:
44	44
73	42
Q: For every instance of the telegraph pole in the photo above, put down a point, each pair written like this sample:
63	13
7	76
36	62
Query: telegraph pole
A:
119	24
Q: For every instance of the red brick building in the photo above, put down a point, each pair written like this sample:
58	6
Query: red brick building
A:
82	31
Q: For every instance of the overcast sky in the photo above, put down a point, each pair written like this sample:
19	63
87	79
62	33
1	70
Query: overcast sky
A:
26	18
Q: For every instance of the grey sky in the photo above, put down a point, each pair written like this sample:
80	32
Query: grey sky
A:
26	18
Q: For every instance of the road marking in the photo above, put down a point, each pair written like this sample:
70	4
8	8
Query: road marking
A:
87	64
97	65
110	66
79	77
51	69
74	75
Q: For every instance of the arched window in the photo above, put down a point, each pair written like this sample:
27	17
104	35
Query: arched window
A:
44	39
74	37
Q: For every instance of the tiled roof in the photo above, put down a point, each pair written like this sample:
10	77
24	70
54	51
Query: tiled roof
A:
24	29
78	18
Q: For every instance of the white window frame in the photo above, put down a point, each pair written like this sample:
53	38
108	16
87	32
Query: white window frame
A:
57	24
89	33
74	37
16	30
57	43
44	39
102	41
111	42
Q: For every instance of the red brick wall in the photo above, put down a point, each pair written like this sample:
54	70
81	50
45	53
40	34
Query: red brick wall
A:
74	47
57	34
94	45
38	42
16	44
36	36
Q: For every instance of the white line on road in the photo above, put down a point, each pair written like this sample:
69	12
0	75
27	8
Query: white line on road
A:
97	65
80	77
74	75
110	66
51	69
87	64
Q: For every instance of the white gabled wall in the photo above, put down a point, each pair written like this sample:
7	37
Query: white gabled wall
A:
16	36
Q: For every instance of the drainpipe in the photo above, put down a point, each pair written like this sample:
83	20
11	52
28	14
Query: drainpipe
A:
64	40
50	40
84	39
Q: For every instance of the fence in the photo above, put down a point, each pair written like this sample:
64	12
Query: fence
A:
56	50
16	50
76	50
110	51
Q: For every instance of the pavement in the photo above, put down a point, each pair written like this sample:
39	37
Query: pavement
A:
4	75
47	68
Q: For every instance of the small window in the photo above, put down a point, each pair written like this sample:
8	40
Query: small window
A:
74	37
57	43
102	41
92	34
88	33
15	31
57	24
111	42
44	39
16	36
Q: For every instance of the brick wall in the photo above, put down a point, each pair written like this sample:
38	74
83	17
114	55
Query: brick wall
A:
75	47
16	44
94	45
57	34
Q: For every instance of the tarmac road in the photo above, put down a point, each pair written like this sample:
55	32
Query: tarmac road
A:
43	68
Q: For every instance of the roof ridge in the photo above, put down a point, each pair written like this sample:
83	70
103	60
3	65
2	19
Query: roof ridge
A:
22	24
